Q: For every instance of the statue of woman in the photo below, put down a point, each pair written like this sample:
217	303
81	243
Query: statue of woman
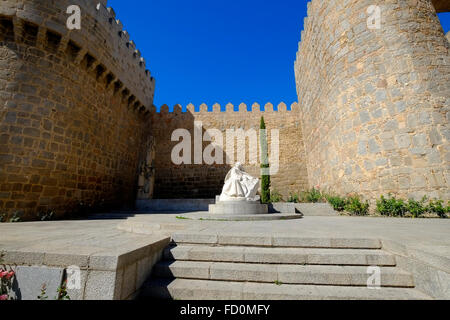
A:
239	185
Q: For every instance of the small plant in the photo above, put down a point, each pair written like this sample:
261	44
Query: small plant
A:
275	197
15	218
391	207
43	295
182	218
356	207
6	279
437	207
337	202
417	208
46	216
312	196
62	292
3	217
278	283
294	198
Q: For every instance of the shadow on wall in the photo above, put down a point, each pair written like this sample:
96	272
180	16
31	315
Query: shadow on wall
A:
204	180
185	181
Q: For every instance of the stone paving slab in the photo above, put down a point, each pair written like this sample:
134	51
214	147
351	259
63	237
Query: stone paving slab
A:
33	279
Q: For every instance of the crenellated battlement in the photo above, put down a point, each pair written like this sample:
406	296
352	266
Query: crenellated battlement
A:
205	180
102	42
228	108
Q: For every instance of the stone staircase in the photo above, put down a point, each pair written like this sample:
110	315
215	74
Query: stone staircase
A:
245	267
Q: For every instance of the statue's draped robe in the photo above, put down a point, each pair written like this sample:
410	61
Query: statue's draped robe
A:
239	186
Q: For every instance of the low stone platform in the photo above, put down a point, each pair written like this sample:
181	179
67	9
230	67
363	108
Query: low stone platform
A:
241	208
173	205
241	217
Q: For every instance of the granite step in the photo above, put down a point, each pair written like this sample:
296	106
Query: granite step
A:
311	256
186	289
265	240
278	273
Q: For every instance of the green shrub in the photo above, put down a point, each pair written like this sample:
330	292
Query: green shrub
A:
46	216
3	217
312	196
437	207
275	196
337	202
294	198
391	207
16	217
416	208
355	206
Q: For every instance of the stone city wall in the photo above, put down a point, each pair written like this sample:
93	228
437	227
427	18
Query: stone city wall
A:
206	181
375	103
74	107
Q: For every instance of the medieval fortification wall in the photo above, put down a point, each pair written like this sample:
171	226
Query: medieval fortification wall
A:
375	104
74	107
206	181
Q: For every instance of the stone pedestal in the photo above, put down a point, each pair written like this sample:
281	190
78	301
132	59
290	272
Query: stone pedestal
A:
238	208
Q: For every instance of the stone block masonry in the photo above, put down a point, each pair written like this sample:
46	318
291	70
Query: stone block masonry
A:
375	103
206	181
74	108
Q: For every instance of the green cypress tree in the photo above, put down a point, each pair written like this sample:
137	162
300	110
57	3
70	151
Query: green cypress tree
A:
265	179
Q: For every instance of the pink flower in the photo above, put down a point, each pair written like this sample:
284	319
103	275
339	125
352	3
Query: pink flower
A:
4	297
10	275
3	274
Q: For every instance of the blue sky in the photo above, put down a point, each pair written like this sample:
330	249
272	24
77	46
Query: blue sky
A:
208	51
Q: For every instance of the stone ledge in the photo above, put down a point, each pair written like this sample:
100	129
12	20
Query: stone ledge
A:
105	275
173	205
431	271
315	209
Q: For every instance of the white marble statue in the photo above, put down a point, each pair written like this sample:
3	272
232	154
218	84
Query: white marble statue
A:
239	186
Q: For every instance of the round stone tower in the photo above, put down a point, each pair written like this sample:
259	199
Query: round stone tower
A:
73	108
373	86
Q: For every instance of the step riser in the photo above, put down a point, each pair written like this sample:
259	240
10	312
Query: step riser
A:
275	241
279	258
198	295
218	290
306	277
